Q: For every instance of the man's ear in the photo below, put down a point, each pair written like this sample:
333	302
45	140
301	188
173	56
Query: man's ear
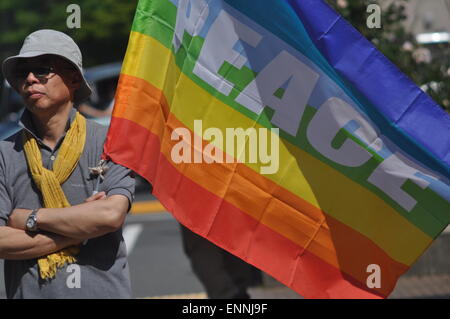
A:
76	80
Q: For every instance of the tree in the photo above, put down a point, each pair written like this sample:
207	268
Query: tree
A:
428	66
104	32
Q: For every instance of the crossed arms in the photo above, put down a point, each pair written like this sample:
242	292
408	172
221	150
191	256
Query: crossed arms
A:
61	227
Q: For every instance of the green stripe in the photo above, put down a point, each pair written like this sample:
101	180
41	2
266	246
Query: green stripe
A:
156	19
431	214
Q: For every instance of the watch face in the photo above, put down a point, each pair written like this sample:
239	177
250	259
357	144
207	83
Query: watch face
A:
30	223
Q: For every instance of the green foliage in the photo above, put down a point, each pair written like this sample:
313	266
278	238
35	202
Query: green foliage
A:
104	32
401	47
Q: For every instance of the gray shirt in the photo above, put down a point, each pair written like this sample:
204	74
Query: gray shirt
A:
101	270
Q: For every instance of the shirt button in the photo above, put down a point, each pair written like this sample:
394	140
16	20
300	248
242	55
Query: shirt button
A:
52	157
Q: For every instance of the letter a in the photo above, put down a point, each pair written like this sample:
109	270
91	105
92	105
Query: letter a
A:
374	279
181	151
74	20
374	19
74	279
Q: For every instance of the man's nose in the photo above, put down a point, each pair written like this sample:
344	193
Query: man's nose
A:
31	78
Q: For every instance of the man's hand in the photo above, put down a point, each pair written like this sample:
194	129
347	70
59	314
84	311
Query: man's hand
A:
17	244
18	218
98	196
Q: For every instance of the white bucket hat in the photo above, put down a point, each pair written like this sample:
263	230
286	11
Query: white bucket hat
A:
52	42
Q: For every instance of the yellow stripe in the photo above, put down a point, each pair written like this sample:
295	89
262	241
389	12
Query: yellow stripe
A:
152	206
198	295
314	181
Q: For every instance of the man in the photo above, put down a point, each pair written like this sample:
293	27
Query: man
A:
58	240
223	275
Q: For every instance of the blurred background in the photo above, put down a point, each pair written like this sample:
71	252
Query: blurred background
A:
414	34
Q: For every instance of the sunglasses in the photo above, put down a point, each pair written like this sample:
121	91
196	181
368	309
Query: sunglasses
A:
40	72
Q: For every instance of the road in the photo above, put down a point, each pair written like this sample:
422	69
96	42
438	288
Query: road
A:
158	265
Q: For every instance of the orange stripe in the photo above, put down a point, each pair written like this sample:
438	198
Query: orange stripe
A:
277	208
149	106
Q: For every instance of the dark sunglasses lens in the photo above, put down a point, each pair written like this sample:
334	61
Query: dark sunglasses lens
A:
41	71
21	73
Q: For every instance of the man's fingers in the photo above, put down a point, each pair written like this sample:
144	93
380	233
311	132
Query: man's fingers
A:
100	195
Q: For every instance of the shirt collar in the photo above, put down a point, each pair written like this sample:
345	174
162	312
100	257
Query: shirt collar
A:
26	123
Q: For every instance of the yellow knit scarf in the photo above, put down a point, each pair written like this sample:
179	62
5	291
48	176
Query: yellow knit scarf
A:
49	183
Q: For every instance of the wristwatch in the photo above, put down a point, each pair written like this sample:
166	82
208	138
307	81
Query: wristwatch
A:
31	224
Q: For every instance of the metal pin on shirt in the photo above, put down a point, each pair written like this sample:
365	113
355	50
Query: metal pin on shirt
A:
99	171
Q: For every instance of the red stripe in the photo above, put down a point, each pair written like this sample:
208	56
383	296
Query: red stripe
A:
222	223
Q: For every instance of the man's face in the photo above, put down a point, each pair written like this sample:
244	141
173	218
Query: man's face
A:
45	82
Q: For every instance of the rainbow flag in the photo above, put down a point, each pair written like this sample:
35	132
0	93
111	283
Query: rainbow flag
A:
276	131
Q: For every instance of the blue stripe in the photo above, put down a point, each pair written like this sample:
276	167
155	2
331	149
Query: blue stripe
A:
404	114
395	103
